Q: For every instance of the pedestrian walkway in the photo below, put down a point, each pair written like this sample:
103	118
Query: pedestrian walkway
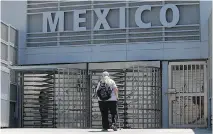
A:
98	131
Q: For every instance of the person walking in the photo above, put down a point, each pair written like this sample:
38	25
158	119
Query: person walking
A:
107	93
43	109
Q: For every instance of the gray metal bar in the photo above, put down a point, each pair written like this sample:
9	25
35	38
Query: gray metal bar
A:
59	89
81	101
21	99
196	97
133	95
180	96
68	98
183	91
90	98
138	96
187	74
143	96
192	112
160	97
200	76
175	79
64	97
125	101
155	96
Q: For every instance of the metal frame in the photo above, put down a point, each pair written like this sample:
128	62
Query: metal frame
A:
9	44
8	62
112	29
120	38
127	116
32	83
65	80
172	94
55	7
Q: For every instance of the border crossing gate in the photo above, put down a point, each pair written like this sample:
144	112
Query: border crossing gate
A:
62	97
187	94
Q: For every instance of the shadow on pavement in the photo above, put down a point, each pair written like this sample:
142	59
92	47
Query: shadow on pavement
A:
93	131
202	131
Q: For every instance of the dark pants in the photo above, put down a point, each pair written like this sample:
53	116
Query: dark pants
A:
104	107
44	117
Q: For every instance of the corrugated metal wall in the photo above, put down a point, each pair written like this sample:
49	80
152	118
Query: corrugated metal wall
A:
188	28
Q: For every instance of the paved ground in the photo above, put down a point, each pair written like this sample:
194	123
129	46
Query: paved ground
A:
97	131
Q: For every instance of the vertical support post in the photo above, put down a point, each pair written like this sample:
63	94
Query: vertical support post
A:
20	100
165	102
138	97
59	99
54	100
209	101
68	96
125	102
89	101
64	100
160	96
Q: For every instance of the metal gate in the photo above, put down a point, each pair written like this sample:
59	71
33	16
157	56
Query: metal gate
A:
57	98
139	103
187	94
71	96
63	97
37	99
118	76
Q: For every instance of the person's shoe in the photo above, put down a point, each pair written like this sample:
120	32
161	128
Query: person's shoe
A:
114	127
104	130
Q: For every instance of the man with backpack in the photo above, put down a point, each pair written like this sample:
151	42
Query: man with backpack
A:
107	93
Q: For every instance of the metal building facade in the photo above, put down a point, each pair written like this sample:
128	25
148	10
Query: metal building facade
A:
9	50
180	87
127	41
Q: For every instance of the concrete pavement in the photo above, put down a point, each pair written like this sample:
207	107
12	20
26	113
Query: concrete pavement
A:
98	131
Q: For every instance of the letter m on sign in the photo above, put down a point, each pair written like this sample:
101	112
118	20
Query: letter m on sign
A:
53	23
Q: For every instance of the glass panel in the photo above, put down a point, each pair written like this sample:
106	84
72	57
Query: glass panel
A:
4	51
4	32
5	113
13	36
13	76
13	55
12	123
5	79
13	92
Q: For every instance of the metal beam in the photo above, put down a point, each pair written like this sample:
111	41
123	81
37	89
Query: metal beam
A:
165	108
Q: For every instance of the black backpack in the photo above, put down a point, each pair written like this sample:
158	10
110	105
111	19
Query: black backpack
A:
104	91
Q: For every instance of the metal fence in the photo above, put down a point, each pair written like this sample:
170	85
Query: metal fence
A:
62	98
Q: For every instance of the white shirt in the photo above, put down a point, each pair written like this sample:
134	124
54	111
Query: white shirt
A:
113	86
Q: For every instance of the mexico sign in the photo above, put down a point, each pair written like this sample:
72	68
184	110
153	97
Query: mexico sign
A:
101	13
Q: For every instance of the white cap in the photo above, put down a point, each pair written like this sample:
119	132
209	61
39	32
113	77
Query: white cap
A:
105	73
